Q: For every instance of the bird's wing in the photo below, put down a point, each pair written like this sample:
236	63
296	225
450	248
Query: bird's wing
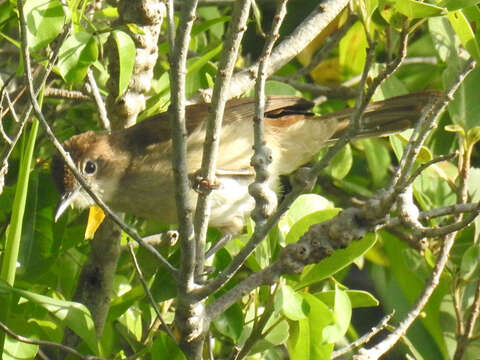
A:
157	128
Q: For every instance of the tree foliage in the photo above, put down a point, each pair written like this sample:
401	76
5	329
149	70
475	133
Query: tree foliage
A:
78	48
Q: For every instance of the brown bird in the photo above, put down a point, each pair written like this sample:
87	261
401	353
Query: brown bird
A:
131	168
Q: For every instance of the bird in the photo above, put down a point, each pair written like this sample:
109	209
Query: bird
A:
131	169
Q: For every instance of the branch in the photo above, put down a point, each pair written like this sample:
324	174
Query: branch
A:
424	126
341	92
422	130
434	213
313	25
291	46
179	146
206	176
265	197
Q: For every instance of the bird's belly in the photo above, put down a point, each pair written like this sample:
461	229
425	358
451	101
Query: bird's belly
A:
230	204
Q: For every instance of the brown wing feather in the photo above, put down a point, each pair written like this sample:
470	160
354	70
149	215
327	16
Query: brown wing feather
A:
157	128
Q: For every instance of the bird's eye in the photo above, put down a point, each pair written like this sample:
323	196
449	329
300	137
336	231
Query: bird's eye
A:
90	167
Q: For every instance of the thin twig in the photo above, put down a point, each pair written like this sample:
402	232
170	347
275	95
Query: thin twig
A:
328	46
464	161
427	164
257	330
425	124
265	198
148	292
413	146
378	350
167	238
102	110
66	94
437	212
364	339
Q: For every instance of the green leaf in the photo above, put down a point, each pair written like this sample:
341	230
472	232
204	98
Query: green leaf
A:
464	31
74	315
298	344
341	163
459	4
455	128
301	226
134	29
291	304
199	62
473	135
126	59
337	261
352	50
357	298
12	245
470	262
409	289
367	8
416	9
197	30
465	107
444	40
307	204
44	20
272	336
306	341
164	348
76	54
378	159
132	322
302	206
399	141
342	313
230	322
108	12
212	14
319	317
17	350
472	13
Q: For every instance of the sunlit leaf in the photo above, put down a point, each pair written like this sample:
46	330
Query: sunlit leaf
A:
126	58
417	9
76	54
337	261
74	315
290	304
45	20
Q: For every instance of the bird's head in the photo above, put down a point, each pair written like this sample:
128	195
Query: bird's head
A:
95	157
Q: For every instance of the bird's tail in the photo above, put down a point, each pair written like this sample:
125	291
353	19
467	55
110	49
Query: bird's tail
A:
386	117
303	138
